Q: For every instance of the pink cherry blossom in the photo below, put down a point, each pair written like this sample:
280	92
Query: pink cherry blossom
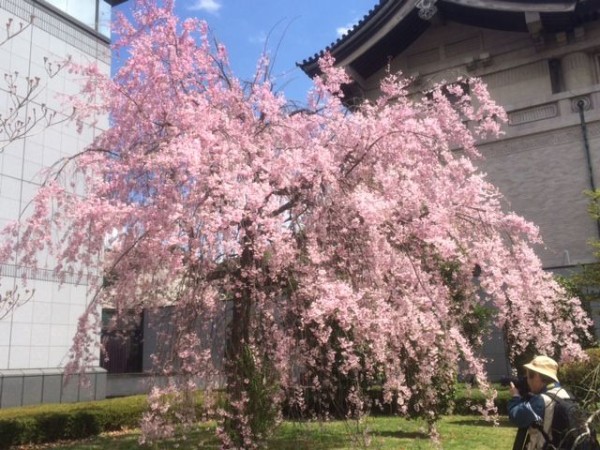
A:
319	245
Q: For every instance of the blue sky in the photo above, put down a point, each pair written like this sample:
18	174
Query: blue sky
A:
295	29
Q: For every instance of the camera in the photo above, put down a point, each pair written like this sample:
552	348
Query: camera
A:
519	382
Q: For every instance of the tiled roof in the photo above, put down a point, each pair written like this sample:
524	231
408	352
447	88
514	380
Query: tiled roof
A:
557	15
346	36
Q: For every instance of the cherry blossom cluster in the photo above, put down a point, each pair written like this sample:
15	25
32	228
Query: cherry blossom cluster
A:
331	246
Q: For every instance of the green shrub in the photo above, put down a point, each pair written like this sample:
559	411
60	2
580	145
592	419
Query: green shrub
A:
582	378
50	427
464	403
50	423
117	414
13	432
82	424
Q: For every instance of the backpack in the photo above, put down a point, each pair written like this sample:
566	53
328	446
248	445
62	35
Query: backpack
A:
570	429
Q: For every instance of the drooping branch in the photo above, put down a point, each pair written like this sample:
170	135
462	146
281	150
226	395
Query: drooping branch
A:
25	115
13	299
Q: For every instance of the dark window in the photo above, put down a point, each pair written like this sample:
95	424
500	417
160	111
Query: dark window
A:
122	341
451	93
556	78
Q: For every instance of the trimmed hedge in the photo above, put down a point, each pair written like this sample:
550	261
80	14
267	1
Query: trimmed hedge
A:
465	402
71	421
50	423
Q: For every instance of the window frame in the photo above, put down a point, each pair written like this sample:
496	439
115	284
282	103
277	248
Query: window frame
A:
96	29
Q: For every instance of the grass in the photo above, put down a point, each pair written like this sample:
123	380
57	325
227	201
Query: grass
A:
383	433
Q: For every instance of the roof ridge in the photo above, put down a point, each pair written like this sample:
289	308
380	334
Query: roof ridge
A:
348	34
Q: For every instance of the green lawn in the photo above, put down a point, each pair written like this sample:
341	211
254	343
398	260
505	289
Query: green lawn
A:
385	433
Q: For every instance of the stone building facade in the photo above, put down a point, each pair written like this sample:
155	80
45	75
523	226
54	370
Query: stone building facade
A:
541	62
35	337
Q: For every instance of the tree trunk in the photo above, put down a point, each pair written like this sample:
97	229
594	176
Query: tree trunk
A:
237	339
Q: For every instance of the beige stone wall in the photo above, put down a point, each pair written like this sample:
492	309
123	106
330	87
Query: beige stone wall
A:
543	177
540	163
514	85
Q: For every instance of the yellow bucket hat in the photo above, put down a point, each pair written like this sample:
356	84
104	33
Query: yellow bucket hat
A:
544	365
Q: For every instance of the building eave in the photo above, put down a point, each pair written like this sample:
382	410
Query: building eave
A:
393	25
375	24
548	6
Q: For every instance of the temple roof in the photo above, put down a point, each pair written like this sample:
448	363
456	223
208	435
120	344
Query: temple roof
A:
393	25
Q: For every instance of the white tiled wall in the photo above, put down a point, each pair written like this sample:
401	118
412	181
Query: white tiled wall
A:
39	357
4	355
39	333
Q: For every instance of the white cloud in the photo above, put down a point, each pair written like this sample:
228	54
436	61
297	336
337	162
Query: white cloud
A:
210	6
343	30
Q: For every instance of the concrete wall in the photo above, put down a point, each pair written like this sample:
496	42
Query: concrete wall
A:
35	386
123	384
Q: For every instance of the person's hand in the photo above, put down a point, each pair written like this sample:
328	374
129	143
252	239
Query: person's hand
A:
513	390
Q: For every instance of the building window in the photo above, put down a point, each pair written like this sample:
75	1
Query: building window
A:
597	66
556	78
94	14
104	17
451	93
122	344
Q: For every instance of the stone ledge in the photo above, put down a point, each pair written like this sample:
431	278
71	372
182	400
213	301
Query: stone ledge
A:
20	387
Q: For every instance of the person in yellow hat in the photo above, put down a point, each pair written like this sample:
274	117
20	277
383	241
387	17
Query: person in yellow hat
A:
536	410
